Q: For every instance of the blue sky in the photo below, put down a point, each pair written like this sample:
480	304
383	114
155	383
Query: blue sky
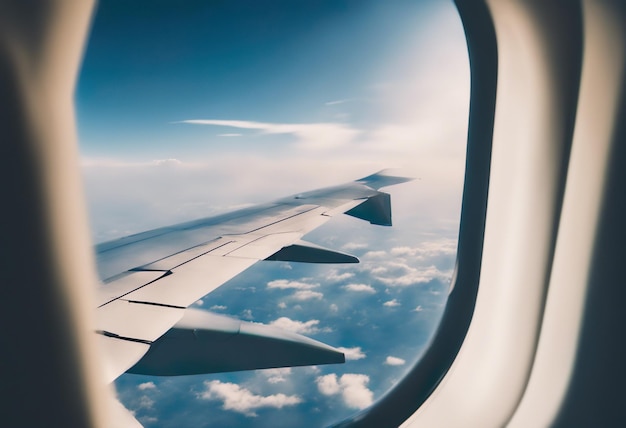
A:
150	64
188	110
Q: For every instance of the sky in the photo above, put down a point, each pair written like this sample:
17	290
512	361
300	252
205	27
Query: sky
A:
186	112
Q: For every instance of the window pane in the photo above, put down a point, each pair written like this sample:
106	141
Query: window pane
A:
186	112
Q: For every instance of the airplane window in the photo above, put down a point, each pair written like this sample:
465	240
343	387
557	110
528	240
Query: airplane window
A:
187	111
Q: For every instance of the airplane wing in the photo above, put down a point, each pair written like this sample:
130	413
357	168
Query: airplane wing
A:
150	279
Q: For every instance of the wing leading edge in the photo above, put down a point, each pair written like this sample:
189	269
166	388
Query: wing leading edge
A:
150	279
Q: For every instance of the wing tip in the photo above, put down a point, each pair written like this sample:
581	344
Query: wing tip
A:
385	177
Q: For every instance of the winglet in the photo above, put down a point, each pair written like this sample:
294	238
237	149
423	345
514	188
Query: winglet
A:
386	177
375	209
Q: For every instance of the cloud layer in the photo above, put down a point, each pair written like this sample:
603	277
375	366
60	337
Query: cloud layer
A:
309	136
394	361
306	327
242	400
360	288
352	388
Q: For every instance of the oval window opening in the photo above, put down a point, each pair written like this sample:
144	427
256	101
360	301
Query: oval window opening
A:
192	112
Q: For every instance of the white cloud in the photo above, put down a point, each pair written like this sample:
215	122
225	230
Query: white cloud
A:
353	389
242	400
247	314
282	305
334	276
375	254
277	375
146	385
312	369
199	302
328	384
284	284
309	135
394	361
335	102
401	274
145	402
353	353
427	250
392	303
355	393
353	246
167	162
149	197
117	163
307	327
229	135
218	307
307	295
418	308
333	307
404	251
363	288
